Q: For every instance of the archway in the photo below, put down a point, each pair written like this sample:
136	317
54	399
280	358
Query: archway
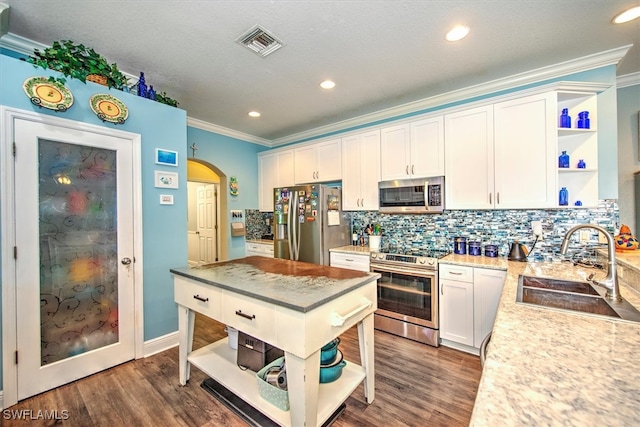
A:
203	175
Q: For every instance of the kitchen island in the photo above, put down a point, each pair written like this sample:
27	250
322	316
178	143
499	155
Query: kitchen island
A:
550	367
295	306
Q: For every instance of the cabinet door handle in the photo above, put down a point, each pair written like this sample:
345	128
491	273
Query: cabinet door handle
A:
199	298
412	172
407	170
498	197
490	202
246	316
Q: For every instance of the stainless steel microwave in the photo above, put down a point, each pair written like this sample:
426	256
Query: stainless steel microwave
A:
424	195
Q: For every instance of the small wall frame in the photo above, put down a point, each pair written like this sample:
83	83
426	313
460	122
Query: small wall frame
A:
166	157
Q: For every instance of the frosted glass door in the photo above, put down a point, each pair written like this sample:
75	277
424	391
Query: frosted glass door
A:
75	264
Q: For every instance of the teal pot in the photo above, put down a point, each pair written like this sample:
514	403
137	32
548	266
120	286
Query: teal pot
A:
329	352
330	373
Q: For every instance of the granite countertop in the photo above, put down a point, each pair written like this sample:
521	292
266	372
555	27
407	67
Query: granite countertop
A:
350	249
296	285
547	367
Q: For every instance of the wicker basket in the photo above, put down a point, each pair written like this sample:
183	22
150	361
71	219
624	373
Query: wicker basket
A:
97	78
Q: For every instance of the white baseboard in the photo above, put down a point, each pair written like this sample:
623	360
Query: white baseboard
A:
159	344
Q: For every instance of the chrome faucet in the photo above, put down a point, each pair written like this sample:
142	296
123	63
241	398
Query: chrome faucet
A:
611	281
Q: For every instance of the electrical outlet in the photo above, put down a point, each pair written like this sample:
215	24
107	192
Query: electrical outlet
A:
585	235
536	227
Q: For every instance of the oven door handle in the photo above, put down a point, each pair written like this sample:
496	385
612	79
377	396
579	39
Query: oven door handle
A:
399	270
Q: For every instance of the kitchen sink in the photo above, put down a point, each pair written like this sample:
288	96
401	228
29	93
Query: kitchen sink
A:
569	295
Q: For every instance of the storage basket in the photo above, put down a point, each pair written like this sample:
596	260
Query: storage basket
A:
97	78
272	394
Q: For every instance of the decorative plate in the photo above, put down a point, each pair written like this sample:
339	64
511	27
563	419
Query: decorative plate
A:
47	93
108	108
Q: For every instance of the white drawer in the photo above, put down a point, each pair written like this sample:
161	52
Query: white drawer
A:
259	249
200	297
353	262
251	316
456	272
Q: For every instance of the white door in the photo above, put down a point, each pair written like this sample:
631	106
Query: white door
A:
74	266
207	222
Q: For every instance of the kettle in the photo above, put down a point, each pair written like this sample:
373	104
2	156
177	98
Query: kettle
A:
518	252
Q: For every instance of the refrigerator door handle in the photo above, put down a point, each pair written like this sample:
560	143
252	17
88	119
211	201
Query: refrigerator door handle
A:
289	226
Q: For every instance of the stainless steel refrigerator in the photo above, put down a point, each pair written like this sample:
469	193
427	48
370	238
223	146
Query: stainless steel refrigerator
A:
308	222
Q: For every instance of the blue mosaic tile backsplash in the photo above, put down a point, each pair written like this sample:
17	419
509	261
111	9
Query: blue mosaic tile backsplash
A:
498	227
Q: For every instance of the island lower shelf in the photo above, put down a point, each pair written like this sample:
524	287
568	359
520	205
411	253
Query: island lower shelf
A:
218	361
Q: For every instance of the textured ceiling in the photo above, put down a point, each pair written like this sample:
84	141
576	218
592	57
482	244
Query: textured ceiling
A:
380	53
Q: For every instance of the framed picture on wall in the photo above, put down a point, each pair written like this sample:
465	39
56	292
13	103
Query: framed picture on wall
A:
166	179
166	157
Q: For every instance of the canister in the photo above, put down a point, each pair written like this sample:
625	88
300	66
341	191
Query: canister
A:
460	245
475	248
491	251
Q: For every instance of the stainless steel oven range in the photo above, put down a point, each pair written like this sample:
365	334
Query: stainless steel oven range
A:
408	294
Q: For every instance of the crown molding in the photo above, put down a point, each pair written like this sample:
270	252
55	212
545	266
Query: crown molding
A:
609	57
586	63
627	80
20	44
200	124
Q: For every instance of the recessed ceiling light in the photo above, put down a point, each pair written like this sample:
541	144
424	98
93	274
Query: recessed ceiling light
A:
327	84
627	15
457	33
254	114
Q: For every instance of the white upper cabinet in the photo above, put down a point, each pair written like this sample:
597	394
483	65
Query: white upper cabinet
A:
525	153
469	180
361	171
502	156
319	162
413	150
275	169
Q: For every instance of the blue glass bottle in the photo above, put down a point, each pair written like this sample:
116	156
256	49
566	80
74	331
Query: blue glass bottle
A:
581	164
564	197
142	86
565	118
583	120
151	94
563	160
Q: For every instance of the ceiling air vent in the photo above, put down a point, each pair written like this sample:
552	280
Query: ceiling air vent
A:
260	41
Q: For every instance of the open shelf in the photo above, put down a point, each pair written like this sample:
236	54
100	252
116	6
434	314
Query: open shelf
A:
218	361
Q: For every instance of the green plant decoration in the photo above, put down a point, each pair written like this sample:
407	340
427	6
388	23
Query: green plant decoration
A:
77	61
164	99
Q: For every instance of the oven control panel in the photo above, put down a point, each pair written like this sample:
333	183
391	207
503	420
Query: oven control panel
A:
403	259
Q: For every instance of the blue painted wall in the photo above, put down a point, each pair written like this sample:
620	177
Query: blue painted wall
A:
164	227
236	158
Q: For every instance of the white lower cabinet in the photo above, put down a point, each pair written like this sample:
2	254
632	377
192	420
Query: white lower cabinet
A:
259	249
456	304
351	261
469	300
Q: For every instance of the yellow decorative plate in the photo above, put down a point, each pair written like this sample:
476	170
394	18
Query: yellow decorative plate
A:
108	108
47	93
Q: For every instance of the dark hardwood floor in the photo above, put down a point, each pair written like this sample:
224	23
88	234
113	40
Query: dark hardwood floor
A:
416	385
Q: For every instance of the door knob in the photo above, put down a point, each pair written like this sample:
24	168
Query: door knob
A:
126	261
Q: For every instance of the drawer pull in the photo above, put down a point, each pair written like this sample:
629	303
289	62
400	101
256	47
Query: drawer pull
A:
246	316
199	298
338	320
349	259
456	273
